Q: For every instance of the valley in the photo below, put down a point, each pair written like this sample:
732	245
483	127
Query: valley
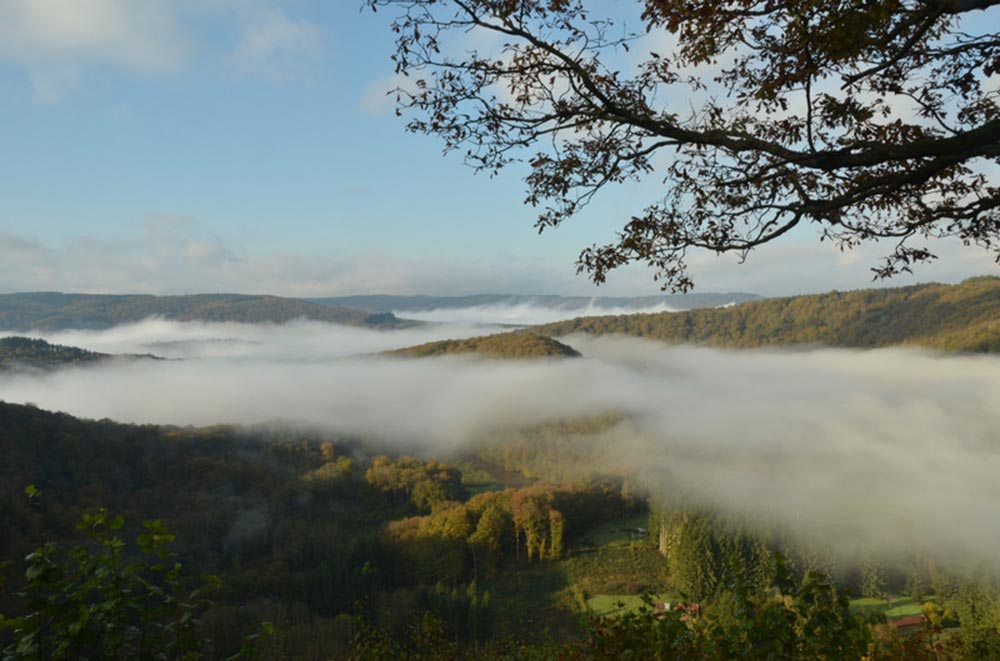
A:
542	491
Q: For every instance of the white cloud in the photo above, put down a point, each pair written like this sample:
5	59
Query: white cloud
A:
273	46
525	313
57	40
295	342
175	255
60	42
377	96
803	264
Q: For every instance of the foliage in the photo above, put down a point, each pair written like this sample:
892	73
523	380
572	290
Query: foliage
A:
288	549
287	522
974	601
340	469
809	620
426	484
299	537
562	450
870	121
873	579
959	317
98	602
916	585
19	353
529	524
707	558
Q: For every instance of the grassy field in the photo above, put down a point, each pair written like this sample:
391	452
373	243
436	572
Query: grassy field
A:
606	567
610	604
602	567
476	489
901	606
614	531
617	568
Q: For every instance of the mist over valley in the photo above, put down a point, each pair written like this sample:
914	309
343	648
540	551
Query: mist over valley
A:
821	441
525	330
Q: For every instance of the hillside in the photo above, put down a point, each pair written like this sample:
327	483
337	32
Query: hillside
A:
56	311
519	344
293	524
21	352
386	303
963	317
18	353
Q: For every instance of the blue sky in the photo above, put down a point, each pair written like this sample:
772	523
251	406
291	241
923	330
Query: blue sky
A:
175	146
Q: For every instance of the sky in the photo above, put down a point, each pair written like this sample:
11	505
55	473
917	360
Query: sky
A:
181	146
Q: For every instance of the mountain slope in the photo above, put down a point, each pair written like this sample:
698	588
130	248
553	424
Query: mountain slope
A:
19	353
56	311
963	317
518	344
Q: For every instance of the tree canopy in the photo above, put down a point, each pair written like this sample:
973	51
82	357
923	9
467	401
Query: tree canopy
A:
873	120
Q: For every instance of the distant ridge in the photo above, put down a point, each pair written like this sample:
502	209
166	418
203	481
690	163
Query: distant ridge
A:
963	317
57	311
516	345
389	303
20	353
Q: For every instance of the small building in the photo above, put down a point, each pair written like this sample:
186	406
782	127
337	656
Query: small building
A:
688	611
908	622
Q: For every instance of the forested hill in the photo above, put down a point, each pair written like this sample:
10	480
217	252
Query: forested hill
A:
962	317
385	303
56	311
17	353
520	344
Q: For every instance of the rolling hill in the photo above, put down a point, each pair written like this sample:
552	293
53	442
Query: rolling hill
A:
55	311
962	318
21	353
519	344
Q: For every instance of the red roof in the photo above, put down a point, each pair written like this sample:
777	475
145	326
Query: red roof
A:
908	621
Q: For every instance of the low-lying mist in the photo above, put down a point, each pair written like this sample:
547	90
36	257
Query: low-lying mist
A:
295	340
522	314
889	452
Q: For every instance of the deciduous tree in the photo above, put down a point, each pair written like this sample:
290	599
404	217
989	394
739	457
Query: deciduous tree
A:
869	120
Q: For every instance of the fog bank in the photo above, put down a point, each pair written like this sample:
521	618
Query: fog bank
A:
887	451
292	341
522	314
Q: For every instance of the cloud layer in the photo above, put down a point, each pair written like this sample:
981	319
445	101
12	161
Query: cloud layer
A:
292	342
887	451
522	314
58	42
169	255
